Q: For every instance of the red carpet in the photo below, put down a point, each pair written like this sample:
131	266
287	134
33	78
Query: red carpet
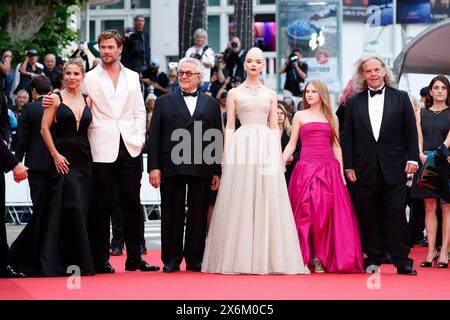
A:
431	283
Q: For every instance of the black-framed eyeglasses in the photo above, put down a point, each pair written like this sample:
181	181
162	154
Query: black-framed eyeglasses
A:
187	73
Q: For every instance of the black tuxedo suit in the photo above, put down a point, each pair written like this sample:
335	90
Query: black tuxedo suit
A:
31	145
171	113
379	194
7	163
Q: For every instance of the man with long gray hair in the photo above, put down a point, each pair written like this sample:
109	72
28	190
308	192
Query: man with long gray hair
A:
380	149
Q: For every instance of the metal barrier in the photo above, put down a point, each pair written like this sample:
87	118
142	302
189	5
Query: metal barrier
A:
18	196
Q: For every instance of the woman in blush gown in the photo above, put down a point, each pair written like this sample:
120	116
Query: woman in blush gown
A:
323	211
252	229
56	237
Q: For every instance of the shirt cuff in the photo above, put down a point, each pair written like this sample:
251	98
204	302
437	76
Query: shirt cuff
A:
413	162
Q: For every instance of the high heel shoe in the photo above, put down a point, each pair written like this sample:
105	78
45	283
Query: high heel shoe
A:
429	264
318	268
442	264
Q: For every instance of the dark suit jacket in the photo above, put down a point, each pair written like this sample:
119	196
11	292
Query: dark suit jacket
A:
7	159
30	143
171	113
284	142
396	143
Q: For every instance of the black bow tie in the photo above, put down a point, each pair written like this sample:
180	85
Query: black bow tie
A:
187	94
375	92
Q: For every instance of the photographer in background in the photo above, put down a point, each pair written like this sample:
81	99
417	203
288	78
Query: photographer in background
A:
133	51
28	70
7	76
136	47
234	56
155	82
296	73
5	69
173	77
203	52
82	53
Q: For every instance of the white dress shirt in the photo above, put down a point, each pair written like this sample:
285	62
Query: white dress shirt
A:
376	106
117	95
191	102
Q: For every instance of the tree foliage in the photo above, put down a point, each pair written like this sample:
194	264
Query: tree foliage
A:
39	24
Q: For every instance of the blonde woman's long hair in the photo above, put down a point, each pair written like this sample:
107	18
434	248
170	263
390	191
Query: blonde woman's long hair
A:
358	80
322	89
286	124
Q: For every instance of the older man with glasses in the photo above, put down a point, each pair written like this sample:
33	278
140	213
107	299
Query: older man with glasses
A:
174	165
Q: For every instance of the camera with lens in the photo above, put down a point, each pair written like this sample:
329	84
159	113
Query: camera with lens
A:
196	56
130	35
293	58
234	45
218	58
32	53
173	65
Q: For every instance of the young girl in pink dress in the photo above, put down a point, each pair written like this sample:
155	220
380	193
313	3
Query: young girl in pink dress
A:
323	211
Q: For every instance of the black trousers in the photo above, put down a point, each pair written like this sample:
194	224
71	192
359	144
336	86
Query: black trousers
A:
4	249
37	180
173	217
416	220
126	173
118	238
380	209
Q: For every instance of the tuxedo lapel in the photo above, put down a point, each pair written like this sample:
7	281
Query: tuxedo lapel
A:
364	111
387	109
180	106
199	108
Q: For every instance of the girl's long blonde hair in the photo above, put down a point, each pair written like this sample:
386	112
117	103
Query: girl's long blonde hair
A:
322	89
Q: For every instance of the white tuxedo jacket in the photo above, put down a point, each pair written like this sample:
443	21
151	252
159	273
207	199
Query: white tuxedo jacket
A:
109	122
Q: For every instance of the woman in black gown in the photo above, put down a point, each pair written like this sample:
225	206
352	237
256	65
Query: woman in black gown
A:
433	123
56	237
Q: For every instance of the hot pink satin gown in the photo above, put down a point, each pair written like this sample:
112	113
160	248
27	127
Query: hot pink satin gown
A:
323	211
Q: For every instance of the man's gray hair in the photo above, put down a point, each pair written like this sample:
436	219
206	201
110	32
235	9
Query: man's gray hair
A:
202	33
358	79
198	64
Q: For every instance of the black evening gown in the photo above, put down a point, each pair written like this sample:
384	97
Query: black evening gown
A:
56	236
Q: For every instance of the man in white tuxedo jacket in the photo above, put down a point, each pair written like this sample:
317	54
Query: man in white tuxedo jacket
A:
117	136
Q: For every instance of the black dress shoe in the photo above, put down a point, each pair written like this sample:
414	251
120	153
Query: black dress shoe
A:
407	271
116	251
442	265
194	267
387	258
171	268
8	272
140	265
105	268
422	243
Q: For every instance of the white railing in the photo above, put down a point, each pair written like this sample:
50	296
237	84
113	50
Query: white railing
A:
18	194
